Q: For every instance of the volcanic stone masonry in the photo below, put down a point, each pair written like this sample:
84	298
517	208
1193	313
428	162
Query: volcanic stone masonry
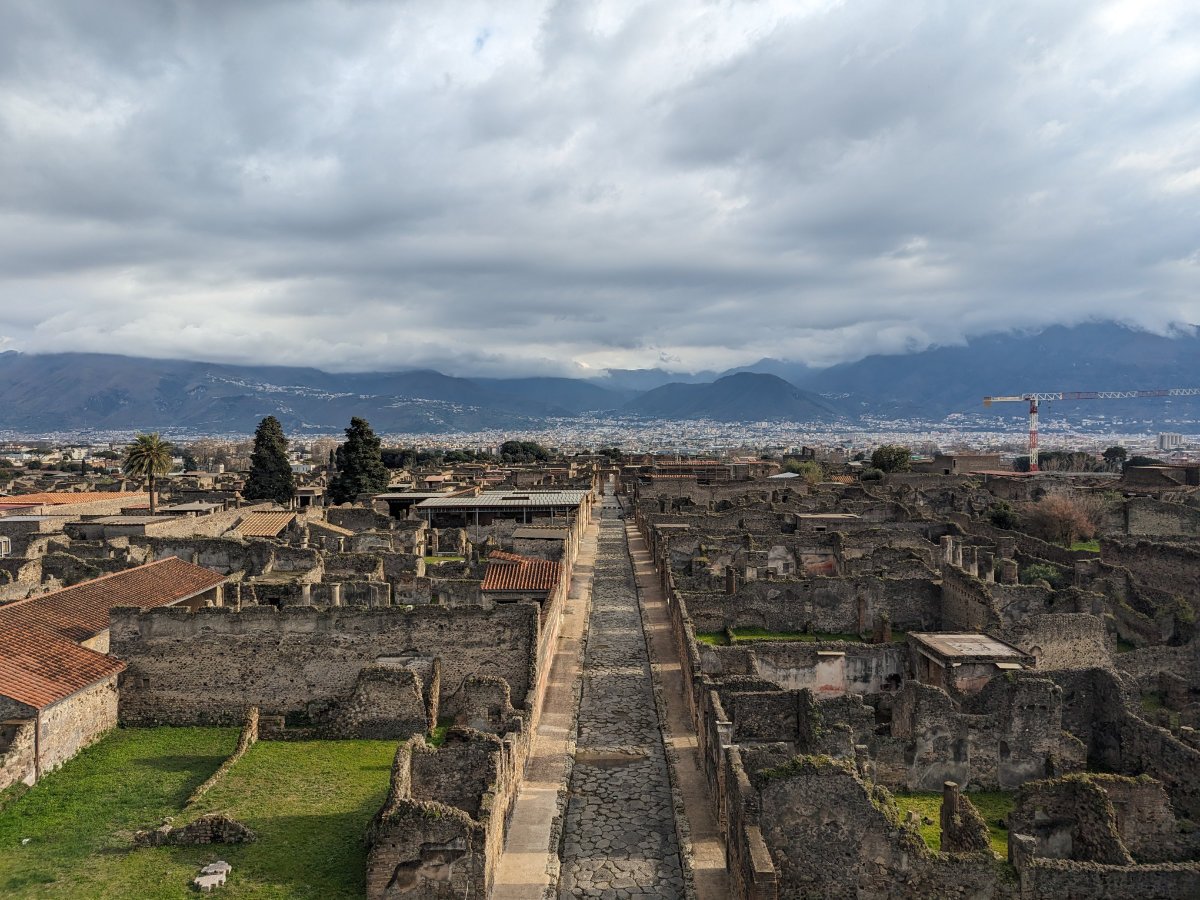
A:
619	840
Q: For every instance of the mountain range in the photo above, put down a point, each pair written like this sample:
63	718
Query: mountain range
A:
84	391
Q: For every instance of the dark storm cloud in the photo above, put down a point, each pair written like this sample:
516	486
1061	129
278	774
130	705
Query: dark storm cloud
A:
550	186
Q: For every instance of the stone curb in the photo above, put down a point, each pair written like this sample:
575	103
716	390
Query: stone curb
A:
683	829
554	866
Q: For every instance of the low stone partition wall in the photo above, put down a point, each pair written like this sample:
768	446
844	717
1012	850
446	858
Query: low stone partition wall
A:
247	739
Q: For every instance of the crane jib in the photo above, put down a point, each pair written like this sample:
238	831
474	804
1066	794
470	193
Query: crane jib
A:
1034	398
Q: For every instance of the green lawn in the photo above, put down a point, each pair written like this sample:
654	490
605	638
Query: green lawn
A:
310	803
438	560
1092	546
79	819
740	635
994	806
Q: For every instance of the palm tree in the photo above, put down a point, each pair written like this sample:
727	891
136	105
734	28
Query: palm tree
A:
148	457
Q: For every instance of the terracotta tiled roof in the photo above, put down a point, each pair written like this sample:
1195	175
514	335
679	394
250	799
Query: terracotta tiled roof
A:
38	668
265	524
80	612
41	661
70	498
329	526
510	572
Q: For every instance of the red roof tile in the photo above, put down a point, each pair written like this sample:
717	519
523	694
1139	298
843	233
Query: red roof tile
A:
510	572
264	524
38	668
71	498
41	661
80	612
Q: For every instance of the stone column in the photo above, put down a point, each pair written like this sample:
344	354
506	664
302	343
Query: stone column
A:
947	547
1008	571
987	565
949	806
971	561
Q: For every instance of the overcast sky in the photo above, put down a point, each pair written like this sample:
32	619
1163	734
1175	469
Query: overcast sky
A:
531	187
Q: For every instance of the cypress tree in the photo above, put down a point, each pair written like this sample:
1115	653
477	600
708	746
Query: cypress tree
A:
360	464
270	472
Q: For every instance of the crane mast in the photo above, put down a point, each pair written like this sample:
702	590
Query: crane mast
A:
1035	398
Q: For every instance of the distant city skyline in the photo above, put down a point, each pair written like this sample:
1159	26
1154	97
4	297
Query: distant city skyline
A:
548	188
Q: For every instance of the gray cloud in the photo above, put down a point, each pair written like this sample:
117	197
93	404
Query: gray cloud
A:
533	186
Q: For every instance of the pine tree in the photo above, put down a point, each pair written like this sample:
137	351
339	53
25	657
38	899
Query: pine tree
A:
270	472
360	464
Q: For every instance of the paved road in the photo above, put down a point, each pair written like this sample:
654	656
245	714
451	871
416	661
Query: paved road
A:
528	868
619	840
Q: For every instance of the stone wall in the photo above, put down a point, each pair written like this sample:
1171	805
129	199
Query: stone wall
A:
16	751
63	729
1069	818
76	722
1096	710
247	738
1061	640
1053	879
1172	568
967	604
1145	516
829	669
441	830
829	834
304	663
838	605
1011	733
389	702
358	518
1068	840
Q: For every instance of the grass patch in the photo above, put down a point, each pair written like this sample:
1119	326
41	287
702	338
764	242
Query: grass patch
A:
437	737
994	806
1090	546
712	638
438	560
79	819
1152	702
309	801
1124	646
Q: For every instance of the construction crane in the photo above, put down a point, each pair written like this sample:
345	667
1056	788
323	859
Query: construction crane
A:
1034	399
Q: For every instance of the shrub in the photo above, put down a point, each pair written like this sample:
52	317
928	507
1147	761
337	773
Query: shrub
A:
1043	572
871	474
812	472
1063	518
1003	516
891	458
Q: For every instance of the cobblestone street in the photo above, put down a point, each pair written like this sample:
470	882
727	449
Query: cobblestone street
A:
619	840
